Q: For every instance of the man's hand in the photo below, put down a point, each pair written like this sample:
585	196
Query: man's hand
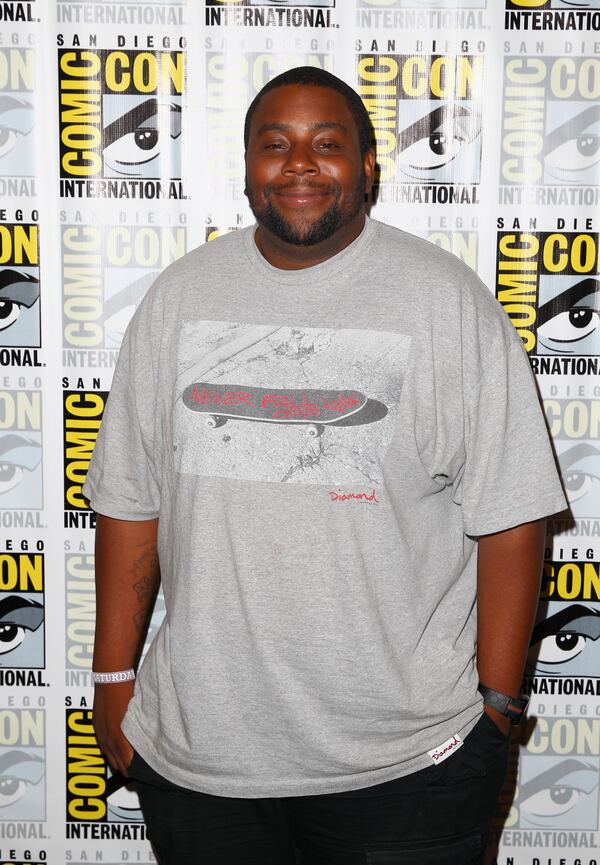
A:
500	720
110	705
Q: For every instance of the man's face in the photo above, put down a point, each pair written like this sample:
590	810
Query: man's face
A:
305	176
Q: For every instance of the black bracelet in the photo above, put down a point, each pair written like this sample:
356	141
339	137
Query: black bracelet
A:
512	707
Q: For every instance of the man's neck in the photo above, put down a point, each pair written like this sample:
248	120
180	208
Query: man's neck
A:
289	256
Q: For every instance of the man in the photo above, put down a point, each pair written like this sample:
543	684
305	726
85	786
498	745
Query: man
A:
327	433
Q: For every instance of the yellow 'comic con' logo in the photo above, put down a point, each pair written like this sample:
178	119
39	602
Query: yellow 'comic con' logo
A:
548	284
120	117
426	115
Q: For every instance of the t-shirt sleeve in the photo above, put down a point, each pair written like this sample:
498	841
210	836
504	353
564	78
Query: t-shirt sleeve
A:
123	476
509	475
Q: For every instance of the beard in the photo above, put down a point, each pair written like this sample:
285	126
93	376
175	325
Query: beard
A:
307	232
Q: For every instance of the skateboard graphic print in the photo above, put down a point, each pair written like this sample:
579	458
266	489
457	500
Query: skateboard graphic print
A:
314	408
265	402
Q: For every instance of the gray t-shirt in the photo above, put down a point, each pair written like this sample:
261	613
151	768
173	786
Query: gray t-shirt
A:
320	446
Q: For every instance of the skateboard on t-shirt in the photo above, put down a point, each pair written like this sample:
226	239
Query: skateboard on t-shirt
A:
312	407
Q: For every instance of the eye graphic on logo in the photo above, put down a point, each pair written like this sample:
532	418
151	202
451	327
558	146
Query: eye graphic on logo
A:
18	616
132	144
557	791
17	456
16	290
580	4
434	140
579	467
18	771
573	148
122	802
571	317
562	637
16	120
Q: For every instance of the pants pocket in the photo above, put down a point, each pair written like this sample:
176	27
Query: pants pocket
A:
466	850
484	752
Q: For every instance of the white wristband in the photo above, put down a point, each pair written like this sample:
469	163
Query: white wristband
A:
111	678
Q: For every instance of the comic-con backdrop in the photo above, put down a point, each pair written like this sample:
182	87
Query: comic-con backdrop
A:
120	149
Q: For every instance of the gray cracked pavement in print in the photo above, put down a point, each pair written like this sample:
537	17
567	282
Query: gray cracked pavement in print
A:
250	355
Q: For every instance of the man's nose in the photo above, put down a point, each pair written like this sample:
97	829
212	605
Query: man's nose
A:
300	160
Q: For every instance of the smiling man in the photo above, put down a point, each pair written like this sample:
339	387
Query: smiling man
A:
324	436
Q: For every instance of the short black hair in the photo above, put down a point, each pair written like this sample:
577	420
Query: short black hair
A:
313	76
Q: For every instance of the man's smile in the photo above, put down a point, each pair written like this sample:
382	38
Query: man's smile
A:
300	195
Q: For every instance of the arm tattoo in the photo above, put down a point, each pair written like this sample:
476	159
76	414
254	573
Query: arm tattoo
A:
146	585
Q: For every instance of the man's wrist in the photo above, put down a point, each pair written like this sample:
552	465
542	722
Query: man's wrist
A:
113	677
505	704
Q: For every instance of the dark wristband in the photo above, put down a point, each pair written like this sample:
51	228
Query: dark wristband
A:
512	707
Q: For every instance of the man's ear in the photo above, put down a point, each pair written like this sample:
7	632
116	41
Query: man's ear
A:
369	167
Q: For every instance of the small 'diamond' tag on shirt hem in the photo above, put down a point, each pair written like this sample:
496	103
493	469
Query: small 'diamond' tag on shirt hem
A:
445	750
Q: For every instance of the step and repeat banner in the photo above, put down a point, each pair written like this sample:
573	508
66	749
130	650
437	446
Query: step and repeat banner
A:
121	149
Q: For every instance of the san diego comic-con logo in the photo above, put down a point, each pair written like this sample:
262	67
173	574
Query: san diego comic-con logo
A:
575	429
270	13
19	285
120	123
21	614
557	784
82	416
94	795
230	87
426	115
551	130
565	642
22	765
558	15
566	637
17	115
549	285
106	271
21	484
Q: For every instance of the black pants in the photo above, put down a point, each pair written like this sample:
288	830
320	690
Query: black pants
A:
438	816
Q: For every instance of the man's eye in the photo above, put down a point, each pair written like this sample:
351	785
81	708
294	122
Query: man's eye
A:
9	313
561	647
11	637
328	145
570	326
